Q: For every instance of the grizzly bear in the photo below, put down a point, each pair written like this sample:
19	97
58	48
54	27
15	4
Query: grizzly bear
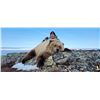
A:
43	51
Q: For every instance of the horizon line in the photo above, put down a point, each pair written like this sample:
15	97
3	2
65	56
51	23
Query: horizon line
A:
69	48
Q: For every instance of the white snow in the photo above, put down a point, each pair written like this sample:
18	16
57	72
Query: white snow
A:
21	66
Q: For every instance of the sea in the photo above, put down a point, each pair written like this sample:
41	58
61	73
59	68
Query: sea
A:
5	52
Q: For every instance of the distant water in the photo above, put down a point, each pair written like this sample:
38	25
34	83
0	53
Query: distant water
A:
5	52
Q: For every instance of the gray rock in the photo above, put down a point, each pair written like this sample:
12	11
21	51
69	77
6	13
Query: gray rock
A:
75	61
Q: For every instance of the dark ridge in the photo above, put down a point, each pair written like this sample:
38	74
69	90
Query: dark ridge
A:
67	50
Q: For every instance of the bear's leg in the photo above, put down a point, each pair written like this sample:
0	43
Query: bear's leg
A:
40	61
29	56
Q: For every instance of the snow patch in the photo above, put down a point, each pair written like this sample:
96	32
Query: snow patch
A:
21	66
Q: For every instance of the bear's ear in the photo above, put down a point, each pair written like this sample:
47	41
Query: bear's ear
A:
51	40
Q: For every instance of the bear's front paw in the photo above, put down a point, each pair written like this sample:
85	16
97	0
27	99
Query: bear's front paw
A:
23	61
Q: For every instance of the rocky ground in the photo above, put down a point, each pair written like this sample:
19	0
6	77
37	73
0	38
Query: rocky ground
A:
75	61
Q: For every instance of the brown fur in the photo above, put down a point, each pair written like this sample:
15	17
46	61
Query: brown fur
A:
43	51
29	56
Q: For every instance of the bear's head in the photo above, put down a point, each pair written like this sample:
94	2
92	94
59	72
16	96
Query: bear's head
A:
55	46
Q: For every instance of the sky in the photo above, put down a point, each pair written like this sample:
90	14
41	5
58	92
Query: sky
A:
27	38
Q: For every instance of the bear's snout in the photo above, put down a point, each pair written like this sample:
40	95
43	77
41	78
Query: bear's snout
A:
57	50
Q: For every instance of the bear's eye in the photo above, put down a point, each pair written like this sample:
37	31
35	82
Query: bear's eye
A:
55	45
59	47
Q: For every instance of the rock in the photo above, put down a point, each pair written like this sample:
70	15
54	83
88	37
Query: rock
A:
74	61
49	62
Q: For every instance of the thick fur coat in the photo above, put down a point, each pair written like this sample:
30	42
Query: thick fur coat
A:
43	51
